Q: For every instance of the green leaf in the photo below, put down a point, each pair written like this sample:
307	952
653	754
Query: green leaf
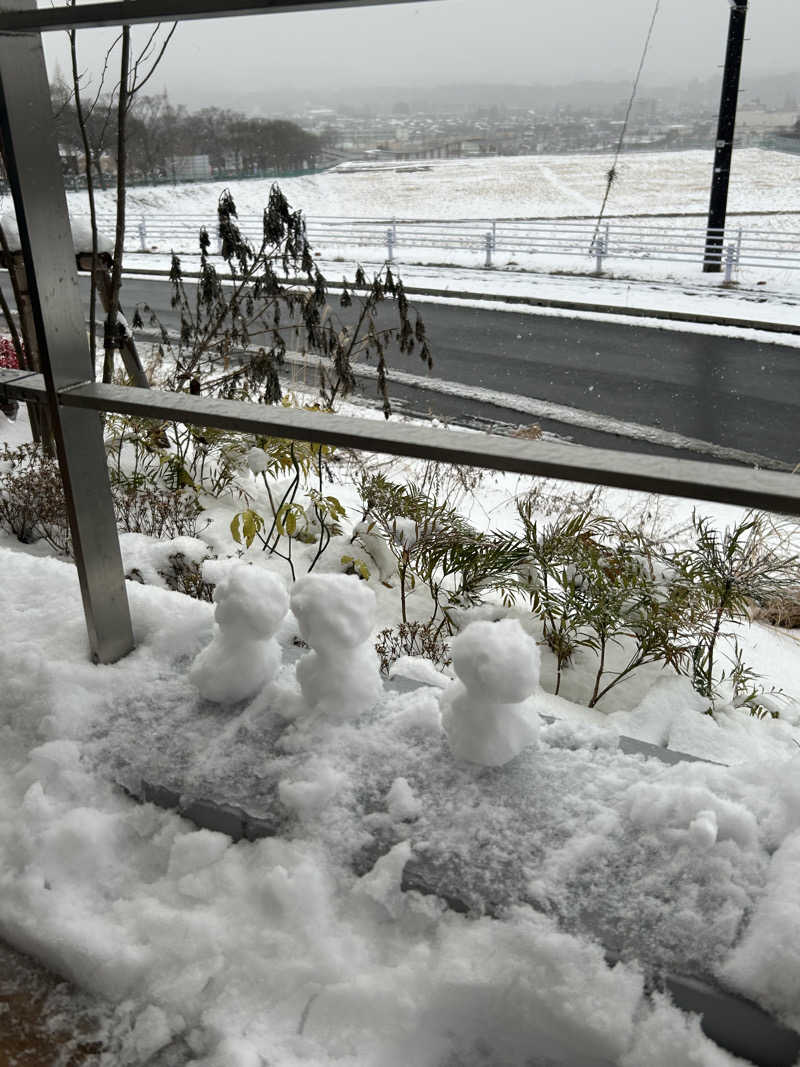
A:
354	565
245	526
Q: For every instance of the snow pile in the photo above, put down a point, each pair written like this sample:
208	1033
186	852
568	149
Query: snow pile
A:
81	235
339	678
487	713
243	655
766	958
331	943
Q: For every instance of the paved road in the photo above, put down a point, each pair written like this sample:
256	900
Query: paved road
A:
736	393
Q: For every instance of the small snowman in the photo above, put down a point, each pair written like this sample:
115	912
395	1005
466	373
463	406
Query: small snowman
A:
339	678
243	654
487	714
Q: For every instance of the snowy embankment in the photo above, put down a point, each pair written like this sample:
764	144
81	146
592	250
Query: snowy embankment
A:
415	902
545	187
495	187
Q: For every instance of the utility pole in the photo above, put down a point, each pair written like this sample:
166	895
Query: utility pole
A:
725	130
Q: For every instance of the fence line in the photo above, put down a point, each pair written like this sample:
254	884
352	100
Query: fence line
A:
398	239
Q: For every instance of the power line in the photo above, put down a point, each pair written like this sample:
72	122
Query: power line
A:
611	177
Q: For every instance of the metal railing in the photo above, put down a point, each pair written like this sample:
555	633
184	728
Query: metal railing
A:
75	401
402	240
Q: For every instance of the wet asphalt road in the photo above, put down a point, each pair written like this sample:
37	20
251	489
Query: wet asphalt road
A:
732	392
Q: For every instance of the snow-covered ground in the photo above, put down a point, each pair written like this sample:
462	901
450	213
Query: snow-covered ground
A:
496	187
322	944
505	187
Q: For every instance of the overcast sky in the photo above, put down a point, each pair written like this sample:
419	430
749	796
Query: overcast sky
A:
446	41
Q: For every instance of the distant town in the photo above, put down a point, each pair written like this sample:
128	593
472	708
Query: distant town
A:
499	130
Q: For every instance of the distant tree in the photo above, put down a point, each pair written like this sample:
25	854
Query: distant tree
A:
157	132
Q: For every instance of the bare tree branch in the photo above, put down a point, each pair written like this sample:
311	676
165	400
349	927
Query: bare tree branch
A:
136	86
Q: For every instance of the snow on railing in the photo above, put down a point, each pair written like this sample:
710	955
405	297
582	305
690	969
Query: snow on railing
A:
493	239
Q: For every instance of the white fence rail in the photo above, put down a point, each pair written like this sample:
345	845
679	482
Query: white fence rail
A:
492	240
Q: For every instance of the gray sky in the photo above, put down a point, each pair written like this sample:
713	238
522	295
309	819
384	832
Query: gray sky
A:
445	41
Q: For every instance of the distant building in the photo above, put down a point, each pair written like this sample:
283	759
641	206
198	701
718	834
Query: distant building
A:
753	125
189	168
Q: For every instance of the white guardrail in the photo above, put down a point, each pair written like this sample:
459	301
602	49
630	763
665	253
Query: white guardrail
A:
492	239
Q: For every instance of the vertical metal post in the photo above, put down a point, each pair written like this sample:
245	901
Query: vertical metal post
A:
390	245
726	128
34	174
488	244
143	234
730	259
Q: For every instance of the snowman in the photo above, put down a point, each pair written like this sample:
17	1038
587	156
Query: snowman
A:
243	654
339	677
488	714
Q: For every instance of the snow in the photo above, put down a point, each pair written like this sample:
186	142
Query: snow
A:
484	713
81	234
305	947
444	873
243	654
339	676
568	187
493	187
765	958
401	801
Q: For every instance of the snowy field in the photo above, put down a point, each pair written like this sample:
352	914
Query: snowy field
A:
496	187
322	944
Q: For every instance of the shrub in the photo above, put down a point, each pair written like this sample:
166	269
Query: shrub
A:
731	571
412	639
32	503
8	355
142	507
213	352
185	575
9	360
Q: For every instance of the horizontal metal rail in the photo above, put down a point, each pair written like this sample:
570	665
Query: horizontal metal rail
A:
534	237
135	12
721	483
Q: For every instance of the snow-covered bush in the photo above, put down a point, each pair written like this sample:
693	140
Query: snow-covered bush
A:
173	455
185	575
243	654
339	677
487	714
420	639
597	585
